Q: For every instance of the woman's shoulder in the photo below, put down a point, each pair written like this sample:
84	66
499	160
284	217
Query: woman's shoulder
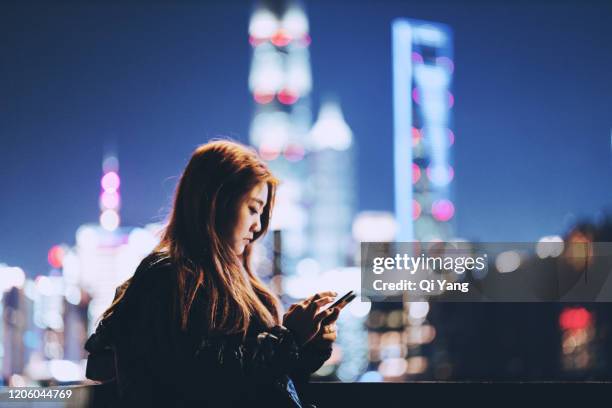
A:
154	265
156	261
154	276
150	293
149	285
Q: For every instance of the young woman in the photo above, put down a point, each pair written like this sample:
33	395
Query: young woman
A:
195	326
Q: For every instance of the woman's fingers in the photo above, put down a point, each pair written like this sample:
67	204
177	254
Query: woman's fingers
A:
319	295
329	328
324	301
328	332
333	316
319	299
312	308
326	313
330	337
311	303
305	318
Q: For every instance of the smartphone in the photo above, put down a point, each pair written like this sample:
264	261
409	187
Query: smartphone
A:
344	300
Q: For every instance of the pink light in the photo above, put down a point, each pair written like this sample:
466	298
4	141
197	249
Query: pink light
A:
254	41
294	152
287	97
416	136
111	181
416	173
416	209
443	210
575	318
280	38
451	100
306	40
263	98
451	137
268	153
110	200
55	256
415	95
446	63
417	58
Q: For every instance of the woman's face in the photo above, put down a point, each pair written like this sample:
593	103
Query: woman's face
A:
248	217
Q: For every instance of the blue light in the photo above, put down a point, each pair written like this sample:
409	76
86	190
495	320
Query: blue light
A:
371	376
421	94
31	340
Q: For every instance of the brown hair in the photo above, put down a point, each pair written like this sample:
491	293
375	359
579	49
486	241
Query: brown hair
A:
219	174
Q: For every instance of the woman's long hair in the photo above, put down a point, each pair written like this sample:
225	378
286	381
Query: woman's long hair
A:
217	177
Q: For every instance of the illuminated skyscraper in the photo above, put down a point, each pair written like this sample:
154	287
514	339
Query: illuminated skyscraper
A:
13	319
106	254
315	202
280	81
65	304
332	188
422	74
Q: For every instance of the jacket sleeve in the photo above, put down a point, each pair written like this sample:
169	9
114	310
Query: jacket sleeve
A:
193	361
265	357
101	364
311	358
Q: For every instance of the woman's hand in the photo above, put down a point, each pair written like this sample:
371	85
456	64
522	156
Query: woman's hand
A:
304	319
328	332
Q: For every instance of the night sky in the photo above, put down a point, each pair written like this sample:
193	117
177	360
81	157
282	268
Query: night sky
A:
532	114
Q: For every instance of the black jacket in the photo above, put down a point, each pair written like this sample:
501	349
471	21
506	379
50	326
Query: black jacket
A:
142	351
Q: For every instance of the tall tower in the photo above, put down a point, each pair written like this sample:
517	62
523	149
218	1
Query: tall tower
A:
13	321
422	74
106	254
422	101
280	82
332	188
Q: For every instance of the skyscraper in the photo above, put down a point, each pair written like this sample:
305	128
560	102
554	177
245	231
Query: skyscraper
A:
106	254
332	188
315	201
422	75
280	82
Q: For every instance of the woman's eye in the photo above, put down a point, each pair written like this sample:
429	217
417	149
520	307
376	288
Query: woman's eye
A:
253	210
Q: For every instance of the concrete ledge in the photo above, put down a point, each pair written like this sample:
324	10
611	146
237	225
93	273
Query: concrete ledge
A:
376	395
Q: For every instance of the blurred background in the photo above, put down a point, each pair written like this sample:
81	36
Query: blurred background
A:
390	120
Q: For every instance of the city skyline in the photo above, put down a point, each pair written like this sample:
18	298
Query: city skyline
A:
531	116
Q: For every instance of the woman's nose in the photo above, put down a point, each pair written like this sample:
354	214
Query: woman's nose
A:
256	226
